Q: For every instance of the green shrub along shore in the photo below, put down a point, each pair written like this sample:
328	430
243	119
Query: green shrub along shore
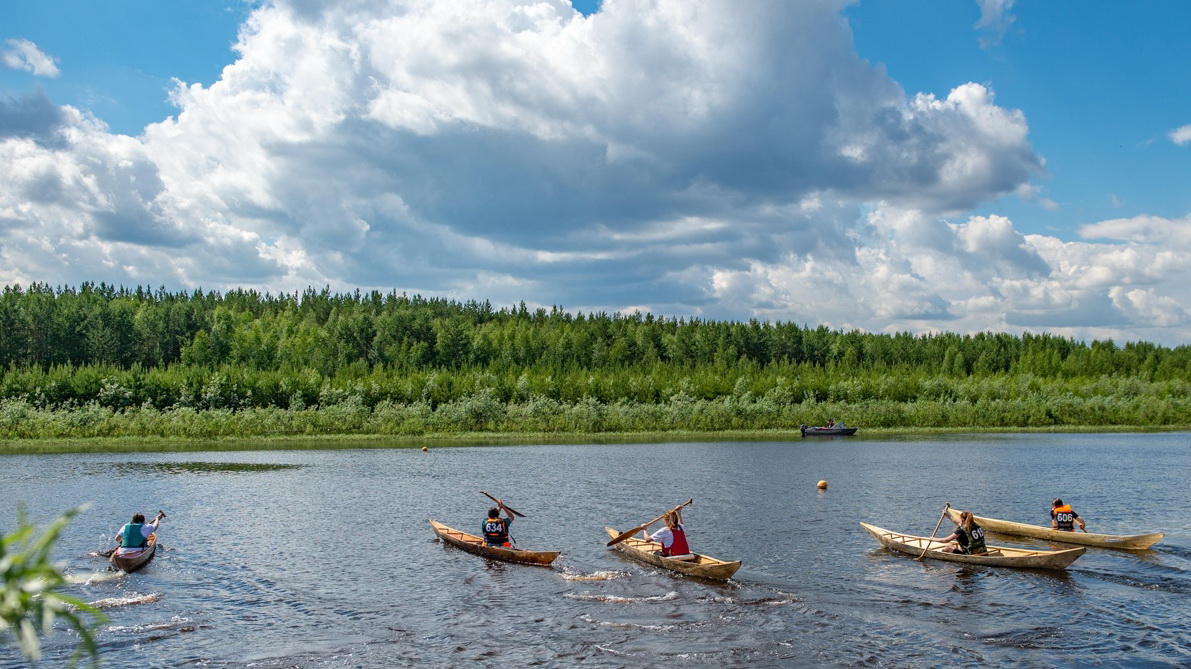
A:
100	362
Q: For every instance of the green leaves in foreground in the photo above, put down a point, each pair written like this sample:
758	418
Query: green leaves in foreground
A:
30	601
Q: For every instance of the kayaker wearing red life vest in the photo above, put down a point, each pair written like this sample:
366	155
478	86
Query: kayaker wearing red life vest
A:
672	537
496	529
1063	517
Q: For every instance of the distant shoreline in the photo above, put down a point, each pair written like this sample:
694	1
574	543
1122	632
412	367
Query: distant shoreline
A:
37	446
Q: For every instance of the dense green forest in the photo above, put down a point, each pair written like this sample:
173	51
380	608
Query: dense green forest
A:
99	360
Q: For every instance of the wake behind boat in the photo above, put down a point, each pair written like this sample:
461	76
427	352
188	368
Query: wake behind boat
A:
997	556
475	545
701	566
1134	542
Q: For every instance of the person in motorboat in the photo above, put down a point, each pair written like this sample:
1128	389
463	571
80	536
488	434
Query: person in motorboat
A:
134	536
968	536
672	537
496	529
1064	518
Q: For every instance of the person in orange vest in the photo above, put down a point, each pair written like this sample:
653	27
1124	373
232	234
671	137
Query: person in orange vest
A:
1063	517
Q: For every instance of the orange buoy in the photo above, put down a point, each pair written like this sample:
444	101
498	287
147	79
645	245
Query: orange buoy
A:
424	449
822	485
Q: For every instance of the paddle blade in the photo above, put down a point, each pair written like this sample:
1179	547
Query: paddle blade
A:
625	535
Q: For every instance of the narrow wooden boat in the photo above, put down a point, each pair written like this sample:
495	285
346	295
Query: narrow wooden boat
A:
997	556
130	561
838	430
1133	542
473	544
702	566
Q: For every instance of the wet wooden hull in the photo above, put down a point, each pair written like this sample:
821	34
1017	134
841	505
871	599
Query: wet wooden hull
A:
702	566
1133	542
475	545
134	561
998	556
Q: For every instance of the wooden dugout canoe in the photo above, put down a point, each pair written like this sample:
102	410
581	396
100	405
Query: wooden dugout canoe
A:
473	544
134	560
702	566
997	556
1133	542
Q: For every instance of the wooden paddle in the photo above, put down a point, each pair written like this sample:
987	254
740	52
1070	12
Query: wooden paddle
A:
504	506
108	552
625	535
926	544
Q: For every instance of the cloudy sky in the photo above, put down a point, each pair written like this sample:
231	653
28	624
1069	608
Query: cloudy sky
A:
887	165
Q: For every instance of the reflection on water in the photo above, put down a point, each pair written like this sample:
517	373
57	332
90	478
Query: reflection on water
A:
151	468
324	558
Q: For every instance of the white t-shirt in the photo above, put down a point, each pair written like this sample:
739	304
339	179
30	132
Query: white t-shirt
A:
664	536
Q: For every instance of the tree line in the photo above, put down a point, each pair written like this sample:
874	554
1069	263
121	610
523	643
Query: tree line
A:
62	348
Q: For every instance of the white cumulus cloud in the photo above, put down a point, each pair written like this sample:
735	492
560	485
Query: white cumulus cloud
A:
21	54
1181	136
995	17
710	158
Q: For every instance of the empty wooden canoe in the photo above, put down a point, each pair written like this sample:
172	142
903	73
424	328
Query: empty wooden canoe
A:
701	566
473	544
1135	542
130	561
997	556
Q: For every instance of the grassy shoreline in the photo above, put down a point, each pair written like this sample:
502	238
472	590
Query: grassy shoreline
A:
42	446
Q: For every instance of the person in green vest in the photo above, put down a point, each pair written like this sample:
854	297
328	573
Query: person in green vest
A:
968	536
135	535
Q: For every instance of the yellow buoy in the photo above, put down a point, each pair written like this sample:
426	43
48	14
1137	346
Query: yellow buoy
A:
424	449
822	485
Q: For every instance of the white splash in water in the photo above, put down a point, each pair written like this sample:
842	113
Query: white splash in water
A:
617	599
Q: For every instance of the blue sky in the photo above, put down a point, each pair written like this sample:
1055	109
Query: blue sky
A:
1101	83
888	165
117	58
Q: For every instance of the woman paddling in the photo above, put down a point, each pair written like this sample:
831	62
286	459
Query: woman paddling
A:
672	537
968	536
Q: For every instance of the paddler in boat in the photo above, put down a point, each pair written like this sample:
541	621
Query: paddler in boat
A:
672	537
968	536
1064	518
496	529
134	536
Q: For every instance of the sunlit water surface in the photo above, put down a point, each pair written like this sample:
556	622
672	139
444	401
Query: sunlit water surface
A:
325	558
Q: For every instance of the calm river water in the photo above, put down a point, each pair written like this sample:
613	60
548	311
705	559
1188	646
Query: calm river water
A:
324	558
